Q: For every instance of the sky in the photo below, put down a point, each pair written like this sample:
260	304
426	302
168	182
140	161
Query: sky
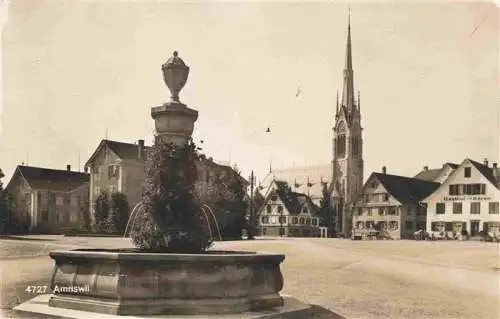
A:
77	71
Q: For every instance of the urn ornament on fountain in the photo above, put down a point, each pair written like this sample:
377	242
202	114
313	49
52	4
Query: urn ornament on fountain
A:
175	74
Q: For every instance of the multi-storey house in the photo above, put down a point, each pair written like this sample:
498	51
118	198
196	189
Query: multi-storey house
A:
49	200
390	203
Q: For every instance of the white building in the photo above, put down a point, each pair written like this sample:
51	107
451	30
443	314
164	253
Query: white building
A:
468	199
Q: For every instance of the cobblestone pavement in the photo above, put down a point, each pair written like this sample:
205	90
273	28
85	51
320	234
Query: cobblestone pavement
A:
372	279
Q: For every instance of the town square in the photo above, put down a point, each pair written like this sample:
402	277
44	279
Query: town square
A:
229	169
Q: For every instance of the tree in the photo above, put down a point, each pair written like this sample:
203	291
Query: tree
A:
172	218
111	212
325	209
226	197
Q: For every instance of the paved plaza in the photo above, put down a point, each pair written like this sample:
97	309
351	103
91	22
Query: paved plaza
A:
355	279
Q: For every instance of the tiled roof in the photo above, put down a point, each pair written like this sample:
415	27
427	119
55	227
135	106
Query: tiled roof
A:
405	189
486	171
301	175
431	174
125	150
293	201
53	179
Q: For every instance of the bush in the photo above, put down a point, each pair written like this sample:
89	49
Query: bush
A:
171	220
111	213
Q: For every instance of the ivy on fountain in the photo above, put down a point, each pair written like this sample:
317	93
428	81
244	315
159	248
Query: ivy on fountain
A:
169	201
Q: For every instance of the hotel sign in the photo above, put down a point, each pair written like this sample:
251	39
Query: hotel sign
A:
466	198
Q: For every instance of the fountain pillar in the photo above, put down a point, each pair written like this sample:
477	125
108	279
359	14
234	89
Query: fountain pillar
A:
174	121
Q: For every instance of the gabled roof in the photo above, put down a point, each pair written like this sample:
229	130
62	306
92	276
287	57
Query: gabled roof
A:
486	171
432	174
53	179
406	190
293	201
121	149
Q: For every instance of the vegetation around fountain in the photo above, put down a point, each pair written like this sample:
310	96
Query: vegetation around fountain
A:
169	199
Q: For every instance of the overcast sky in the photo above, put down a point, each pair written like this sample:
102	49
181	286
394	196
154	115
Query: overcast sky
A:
427	73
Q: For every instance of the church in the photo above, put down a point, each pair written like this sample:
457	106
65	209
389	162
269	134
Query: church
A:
344	175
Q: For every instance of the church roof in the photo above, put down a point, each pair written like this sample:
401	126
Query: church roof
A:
300	176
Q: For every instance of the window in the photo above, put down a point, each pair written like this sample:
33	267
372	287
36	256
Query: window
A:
74	201
381	211
73	216
421	226
112	188
308	221
315	221
493	208
467	172
280	209
386	197
305	210
374	184
268	209
56	215
457	208
97	190
448	226
467	189
301	221
422	209
265	219
440	208
264	231
392	211
369	211
360	211
409	225
282	231
282	220
475	208
295	220
59	200
274	198
45	215
113	171
53	198
394	225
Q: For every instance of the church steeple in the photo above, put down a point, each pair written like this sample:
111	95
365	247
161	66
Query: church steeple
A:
348	90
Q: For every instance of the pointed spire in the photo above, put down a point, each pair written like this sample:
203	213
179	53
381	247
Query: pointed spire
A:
359	101
337	107
348	90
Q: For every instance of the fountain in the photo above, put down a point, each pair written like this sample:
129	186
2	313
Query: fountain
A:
136	211
180	278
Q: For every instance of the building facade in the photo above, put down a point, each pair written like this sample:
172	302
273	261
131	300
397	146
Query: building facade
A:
391	204
120	167
347	164
288	213
49	200
467	200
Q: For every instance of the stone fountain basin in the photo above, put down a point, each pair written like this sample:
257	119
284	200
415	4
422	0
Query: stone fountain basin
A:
130	282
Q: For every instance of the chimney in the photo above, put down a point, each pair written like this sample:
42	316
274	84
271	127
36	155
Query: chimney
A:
384	170
485	162
140	149
68	168
426	168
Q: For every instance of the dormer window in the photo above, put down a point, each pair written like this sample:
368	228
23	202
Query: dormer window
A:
305	210
274	198
268	209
